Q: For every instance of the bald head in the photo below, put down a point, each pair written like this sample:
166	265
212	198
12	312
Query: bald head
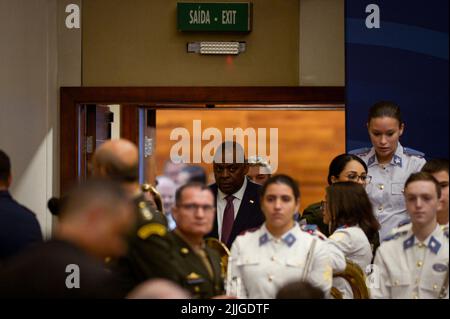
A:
117	160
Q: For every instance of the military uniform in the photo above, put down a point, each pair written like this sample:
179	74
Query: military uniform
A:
197	271
261	264
386	188
406	268
353	242
149	252
313	215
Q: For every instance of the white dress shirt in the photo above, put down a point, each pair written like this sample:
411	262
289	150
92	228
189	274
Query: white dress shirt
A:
221	203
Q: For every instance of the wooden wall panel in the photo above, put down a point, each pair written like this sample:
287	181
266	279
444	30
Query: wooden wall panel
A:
307	140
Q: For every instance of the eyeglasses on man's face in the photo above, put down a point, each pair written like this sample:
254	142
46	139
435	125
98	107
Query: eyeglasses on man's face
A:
193	208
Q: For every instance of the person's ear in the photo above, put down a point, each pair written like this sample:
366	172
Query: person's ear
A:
334	179
402	128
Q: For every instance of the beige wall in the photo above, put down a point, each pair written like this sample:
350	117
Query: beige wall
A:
135	43
322	48
37	55
139	45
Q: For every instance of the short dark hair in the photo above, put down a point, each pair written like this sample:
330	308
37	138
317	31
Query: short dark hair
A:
282	179
180	190
426	177
299	290
349	204
436	165
5	167
385	109
196	173
226	147
94	190
338	164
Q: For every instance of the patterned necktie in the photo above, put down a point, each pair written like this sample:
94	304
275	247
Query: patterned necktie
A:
228	219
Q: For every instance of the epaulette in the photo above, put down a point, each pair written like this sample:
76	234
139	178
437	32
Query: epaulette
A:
312	230
396	235
150	226
412	152
360	151
250	230
404	222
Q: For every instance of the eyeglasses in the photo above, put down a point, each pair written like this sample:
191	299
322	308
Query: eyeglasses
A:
193	208
364	178
323	205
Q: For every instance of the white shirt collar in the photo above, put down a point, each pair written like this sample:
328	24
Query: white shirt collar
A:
239	194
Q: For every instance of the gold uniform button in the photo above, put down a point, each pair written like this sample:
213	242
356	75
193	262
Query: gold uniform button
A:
419	263
421	245
381	186
273	258
380	208
142	205
197	289
270	278
435	287
184	251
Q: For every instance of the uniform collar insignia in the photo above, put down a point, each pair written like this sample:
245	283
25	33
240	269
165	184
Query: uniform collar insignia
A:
263	239
371	160
192	276
434	245
397	160
289	239
408	243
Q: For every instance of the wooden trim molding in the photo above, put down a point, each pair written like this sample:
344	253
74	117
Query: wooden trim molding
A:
176	97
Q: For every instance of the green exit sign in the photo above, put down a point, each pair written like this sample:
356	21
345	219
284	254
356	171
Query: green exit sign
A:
229	17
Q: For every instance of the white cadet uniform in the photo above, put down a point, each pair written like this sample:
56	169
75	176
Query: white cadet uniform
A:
405	268
353	242
386	188
263	264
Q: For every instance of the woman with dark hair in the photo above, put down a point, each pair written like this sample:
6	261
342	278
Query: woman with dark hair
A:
344	167
279	251
389	164
348	214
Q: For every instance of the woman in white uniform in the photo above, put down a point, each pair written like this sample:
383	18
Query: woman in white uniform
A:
389	164
348	213
279	252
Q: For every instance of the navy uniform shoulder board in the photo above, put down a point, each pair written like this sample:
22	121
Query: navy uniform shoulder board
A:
404	222
250	230
396	235
412	152
312	230
360	151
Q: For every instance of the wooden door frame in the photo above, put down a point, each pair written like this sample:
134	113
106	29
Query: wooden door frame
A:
175	97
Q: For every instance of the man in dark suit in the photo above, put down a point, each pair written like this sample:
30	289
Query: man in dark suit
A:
18	225
237	198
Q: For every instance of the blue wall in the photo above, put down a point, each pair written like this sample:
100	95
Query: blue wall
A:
406	61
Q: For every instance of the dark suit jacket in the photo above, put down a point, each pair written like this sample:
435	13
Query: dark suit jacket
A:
249	215
19	227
